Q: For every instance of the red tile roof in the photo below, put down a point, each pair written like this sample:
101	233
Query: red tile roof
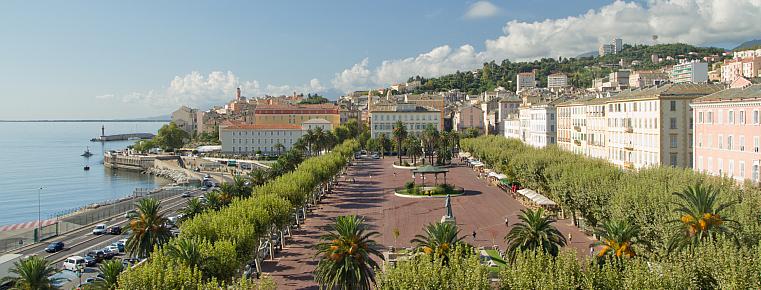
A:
242	126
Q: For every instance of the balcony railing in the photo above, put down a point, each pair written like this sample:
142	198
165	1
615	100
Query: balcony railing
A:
629	148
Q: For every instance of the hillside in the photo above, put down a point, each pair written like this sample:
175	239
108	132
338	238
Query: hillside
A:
580	70
750	44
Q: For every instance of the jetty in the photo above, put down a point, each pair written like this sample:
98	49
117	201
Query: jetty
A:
122	137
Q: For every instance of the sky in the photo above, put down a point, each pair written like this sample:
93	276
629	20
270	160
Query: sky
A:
130	59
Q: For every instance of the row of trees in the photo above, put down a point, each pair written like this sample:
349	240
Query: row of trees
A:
648	221
430	144
214	244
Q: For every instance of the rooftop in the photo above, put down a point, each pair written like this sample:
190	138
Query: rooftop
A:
752	92
231	125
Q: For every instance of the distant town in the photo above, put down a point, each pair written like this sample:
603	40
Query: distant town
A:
695	108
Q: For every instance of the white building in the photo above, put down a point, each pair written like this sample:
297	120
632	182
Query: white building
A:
542	125
690	72
512	127
240	138
525	80
414	117
185	119
557	81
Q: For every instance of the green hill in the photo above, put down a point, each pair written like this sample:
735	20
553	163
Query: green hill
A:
580	70
750	44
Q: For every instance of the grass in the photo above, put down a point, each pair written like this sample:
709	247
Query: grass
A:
496	258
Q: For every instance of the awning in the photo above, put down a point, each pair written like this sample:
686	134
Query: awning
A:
464	154
497	175
536	197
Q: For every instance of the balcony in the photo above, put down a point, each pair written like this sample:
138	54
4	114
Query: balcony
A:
577	142
628	129
629	148
628	165
577	128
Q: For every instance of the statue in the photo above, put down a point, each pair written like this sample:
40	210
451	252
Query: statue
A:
449	216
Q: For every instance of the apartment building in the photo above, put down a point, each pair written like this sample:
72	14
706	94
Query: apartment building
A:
689	72
557	81
727	133
185	119
414	117
572	127
469	116
433	101
641	79
242	138
524	81
278	114
542	123
512	127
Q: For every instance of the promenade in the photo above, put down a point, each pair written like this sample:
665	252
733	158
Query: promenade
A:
482	209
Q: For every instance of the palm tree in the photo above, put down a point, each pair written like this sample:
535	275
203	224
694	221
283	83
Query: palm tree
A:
279	147
242	188
413	147
193	207
384	144
187	252
32	273
346	255
534	232
214	200
400	133
258	176
110	271
617	238
319	139
430	138
148	228
701	214
439	238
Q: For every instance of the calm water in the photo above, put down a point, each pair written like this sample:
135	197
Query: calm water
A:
34	155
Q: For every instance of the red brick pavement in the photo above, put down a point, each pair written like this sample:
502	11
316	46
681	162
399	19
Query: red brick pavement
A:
482	209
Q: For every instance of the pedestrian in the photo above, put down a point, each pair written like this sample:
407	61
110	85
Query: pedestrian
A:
394	174
570	237
474	235
507	222
591	250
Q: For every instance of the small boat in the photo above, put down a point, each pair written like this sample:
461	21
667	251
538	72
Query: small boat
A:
87	167
87	153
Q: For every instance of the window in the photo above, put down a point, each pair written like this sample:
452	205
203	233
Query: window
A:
720	166
709	117
673	141
731	168
673	159
673	106
755	144
691	122
742	143
700	163
731	117
755	118
673	123
742	117
754	171
729	142
700	141
741	171
700	117
721	142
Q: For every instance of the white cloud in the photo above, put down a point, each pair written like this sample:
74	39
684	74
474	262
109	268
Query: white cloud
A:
697	22
481	9
216	88
105	97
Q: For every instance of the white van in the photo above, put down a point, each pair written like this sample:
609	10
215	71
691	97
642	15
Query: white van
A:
99	229
73	263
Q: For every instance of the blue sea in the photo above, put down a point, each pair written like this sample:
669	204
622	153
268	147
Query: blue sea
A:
47	155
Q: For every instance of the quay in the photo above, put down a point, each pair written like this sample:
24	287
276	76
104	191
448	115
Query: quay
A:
122	137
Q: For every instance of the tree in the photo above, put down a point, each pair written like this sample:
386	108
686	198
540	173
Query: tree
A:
171	137
400	133
438	238
534	232
110	271
186	251
701	215
618	238
32	273
148	228
279	147
258	176
463	271
413	147
346	252
430	138
193	207
385	144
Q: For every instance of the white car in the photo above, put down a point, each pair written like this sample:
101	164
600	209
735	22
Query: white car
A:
112	248
99	229
74	263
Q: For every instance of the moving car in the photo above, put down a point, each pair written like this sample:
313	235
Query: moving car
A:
97	255
186	194
114	230
130	213
99	229
90	261
74	263
54	247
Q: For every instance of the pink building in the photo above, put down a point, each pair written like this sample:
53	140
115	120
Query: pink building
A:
469	116
727	132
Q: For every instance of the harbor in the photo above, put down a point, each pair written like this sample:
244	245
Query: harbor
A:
123	137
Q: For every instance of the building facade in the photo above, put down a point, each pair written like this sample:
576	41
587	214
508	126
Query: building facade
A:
286	114
727	133
557	81
469	116
525	80
245	139
414	117
690	72
185	119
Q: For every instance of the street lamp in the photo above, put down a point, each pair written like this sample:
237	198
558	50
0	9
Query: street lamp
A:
80	269
39	213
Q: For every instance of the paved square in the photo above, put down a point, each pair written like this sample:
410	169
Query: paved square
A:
482	209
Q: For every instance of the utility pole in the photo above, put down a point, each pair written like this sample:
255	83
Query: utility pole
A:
39	213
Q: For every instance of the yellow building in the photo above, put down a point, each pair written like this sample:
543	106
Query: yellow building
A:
296	114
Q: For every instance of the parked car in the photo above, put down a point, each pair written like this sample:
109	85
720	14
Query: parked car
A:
119	246
74	263
114	230
113	249
186	194
90	261
98	255
54	247
376	156
122	241
108	254
99	229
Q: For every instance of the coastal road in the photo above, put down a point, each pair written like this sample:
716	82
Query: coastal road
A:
81	241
